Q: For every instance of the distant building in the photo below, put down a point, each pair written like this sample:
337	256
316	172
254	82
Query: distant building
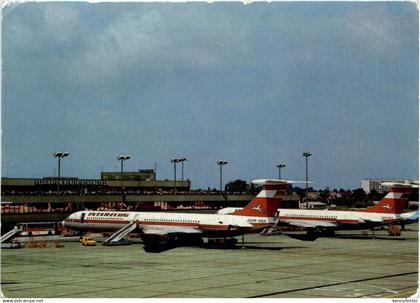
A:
139	182
313	205
313	195
141	175
290	201
369	184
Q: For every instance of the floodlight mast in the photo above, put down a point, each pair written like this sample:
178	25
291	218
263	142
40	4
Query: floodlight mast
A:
221	163
175	161
280	166
182	159
60	155
123	158
306	154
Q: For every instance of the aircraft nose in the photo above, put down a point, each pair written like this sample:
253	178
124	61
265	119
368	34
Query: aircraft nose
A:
65	221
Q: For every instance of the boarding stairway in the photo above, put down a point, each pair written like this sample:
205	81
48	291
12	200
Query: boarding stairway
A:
269	231
11	234
120	233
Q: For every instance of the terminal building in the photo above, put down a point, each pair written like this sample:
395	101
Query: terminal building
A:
52	199
143	181
369	184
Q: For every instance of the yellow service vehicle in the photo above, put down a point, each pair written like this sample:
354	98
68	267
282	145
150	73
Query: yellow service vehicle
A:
394	230
87	241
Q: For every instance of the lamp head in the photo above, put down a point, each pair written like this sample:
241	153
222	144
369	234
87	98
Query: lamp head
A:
61	154
124	157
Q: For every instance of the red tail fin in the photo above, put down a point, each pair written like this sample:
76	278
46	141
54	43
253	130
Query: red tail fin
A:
266	203
395	201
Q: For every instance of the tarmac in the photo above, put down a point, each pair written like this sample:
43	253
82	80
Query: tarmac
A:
267	267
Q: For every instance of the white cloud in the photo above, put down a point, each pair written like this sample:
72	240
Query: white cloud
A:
61	23
373	30
39	28
146	39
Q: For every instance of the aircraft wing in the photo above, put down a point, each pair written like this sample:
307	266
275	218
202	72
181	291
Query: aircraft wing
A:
186	230
410	217
163	230
372	220
311	224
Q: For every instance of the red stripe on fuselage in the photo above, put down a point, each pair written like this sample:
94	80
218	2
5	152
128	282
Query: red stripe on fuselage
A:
194	225
320	219
97	221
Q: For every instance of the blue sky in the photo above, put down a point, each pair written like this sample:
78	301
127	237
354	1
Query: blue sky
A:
252	84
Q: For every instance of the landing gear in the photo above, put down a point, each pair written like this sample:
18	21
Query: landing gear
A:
156	243
222	243
373	233
160	243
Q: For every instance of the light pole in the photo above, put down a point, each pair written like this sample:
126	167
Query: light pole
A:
306	154
221	163
60	155
123	158
175	161
280	166
182	166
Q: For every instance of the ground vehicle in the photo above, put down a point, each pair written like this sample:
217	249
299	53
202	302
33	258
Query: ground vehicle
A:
394	230
87	241
11	244
41	228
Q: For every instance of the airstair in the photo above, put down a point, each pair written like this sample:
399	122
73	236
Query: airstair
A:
269	231
114	238
11	234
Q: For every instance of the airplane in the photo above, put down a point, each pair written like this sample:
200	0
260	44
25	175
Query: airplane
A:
326	222
165	230
408	218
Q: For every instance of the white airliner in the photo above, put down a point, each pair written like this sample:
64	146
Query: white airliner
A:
162	230
387	211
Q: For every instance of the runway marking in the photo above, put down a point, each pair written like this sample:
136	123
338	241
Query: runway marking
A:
411	292
333	284
384	288
326	288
